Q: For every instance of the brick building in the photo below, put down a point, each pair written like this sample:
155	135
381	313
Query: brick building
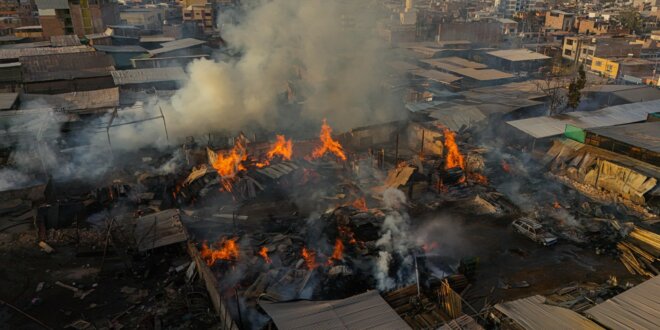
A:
80	17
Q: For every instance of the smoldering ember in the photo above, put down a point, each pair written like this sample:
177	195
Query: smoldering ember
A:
329	164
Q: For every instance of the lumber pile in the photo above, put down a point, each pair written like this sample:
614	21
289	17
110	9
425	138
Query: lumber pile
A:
639	251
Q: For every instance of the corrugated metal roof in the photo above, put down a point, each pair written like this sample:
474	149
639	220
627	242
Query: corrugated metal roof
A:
645	93
532	313
7	54
542	127
76	101
64	41
637	308
176	45
141	76
159	229
435	75
158	39
52	4
517	55
364	311
7	100
120	49
470	72
644	135
27	45
66	66
457	116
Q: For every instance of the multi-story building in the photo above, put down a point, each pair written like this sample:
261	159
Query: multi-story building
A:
559	20
148	19
200	15
510	7
583	48
80	17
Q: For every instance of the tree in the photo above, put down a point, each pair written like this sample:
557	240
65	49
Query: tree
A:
575	88
631	19
552	86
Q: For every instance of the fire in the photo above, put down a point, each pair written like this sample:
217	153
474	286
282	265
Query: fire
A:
282	148
478	178
453	155
310	258
429	247
338	252
226	249
556	205
348	234
329	145
506	167
231	163
360	204
263	252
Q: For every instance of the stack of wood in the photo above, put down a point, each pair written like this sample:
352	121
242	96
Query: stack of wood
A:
639	251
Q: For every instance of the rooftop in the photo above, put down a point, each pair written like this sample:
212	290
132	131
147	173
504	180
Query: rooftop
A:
7	54
546	126
435	75
76	101
120	49
141	76
66	66
364	311
64	41
517	55
7	100
636	308
176	45
645	135
533	313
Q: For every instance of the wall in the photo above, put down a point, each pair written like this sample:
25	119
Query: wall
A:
51	26
485	33
605	67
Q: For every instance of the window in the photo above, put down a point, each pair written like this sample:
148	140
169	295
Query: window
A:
568	52
599	63
609	68
569	42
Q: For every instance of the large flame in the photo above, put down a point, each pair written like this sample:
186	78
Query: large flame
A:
226	249
329	145
310	258
338	252
282	147
263	252
453	155
478	178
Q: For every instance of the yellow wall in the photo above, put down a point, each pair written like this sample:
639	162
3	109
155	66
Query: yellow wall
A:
605	67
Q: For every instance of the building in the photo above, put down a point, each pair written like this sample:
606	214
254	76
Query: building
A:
168	78
632	140
182	47
148	19
474	74
481	32
24	12
63	73
583	49
605	67
590	26
509	27
559	20
122	55
201	17
30	31
517	60
409	15
80	17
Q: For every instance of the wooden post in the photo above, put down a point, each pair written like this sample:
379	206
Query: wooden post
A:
421	151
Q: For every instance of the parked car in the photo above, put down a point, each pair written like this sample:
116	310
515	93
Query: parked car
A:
534	231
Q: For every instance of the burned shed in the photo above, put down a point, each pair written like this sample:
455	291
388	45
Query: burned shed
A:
62	73
153	78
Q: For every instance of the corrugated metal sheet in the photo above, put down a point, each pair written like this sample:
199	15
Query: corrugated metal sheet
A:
52	4
66	66
8	54
27	45
435	75
638	308
7	100
176	45
141	76
159	229
64	41
542	127
645	135
120	49
86	100
364	311
516	55
456	116
532	313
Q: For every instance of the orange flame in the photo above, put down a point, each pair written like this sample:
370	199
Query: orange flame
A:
226	249
338	252
263	252
556	205
429	247
348	234
360	204
453	155
478	178
282	148
310	258
329	145
229	164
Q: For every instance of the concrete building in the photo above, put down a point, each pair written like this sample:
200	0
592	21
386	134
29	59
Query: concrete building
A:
200	16
148	19
559	20
409	15
80	17
583	48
